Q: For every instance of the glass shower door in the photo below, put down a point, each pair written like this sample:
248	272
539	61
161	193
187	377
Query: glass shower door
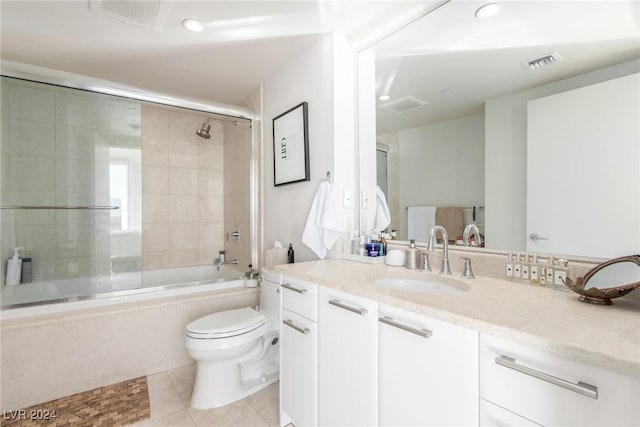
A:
70	191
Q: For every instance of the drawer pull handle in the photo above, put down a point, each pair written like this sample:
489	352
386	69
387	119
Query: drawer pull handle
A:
338	303
580	388
290	324
294	289
422	332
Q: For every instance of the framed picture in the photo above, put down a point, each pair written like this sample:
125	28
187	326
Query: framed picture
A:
291	146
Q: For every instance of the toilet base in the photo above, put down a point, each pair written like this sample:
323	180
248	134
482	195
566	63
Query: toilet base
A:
218	385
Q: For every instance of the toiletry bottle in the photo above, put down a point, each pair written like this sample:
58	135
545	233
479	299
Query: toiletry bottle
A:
534	271
517	268
14	267
411	260
394	235
525	269
383	242
346	243
26	273
560	274
508	267
251	278
543	275
373	247
549	271
290	254
362	251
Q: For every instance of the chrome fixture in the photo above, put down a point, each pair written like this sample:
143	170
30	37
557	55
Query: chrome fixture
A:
424	262
234	235
220	261
467	272
466	235
444	269
204	130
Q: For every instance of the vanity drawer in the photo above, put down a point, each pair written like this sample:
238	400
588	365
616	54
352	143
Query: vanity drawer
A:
552	390
494	416
300	296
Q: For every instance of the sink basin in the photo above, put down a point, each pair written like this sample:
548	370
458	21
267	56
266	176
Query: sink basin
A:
427	286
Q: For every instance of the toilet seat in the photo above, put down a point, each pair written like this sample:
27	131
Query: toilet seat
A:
226	324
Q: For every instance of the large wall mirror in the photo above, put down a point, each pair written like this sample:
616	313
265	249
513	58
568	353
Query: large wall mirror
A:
525	121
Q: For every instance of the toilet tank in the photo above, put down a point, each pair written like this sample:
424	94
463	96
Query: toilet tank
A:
270	301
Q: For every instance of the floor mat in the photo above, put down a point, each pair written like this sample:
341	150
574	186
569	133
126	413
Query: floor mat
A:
113	405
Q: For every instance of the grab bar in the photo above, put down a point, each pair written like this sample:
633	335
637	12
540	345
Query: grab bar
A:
580	388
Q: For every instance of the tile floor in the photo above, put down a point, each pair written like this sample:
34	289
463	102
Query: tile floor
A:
170	393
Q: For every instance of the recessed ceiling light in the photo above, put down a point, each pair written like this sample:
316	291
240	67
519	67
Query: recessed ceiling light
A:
487	10
384	97
192	25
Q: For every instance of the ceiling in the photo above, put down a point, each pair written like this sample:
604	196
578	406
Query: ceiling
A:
454	61
242	44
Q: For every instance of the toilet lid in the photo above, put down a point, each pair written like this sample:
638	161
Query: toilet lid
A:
226	323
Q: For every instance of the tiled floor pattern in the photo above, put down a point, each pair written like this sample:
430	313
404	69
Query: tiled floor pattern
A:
170	394
113	405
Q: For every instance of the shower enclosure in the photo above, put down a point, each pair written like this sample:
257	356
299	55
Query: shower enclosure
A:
78	167
70	190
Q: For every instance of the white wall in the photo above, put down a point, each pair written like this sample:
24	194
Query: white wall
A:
426	154
323	77
505	155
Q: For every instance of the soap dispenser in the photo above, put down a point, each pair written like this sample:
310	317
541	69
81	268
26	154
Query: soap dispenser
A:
14	268
411	260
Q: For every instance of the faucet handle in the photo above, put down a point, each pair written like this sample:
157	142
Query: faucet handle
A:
467	272
424	262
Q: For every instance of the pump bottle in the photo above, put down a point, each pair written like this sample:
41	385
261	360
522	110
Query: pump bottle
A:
14	268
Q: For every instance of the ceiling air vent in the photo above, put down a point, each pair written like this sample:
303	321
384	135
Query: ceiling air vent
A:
147	14
403	104
542	61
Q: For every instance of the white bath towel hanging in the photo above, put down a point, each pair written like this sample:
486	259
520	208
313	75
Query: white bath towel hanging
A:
322	228
383	216
420	221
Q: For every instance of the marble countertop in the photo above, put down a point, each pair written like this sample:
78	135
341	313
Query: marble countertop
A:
554	321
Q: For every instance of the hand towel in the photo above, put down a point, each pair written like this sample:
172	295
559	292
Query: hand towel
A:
383	216
322	229
420	221
452	219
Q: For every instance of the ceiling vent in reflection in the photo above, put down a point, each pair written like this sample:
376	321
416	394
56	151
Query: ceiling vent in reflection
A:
542	61
148	14
403	104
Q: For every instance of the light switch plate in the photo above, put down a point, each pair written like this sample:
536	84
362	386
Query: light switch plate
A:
364	200
348	200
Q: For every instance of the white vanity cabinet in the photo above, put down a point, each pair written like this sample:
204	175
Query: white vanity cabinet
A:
550	390
427	371
299	353
348	359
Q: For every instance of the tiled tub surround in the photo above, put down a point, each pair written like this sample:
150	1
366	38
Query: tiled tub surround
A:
193	188
51	355
543	318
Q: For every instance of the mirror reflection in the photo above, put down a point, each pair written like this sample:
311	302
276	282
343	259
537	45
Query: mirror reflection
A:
524	122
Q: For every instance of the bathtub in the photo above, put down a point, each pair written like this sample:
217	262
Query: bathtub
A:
68	294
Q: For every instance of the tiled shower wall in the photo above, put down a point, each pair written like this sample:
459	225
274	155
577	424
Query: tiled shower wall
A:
190	185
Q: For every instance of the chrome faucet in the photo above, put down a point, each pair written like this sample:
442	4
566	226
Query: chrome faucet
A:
220	261
444	269
466	235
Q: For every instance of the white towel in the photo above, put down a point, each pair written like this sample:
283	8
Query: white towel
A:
420	221
322	229
383	216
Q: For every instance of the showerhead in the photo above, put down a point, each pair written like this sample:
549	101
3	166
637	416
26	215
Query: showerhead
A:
204	130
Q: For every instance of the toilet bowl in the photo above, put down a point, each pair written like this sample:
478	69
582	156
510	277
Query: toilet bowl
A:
236	351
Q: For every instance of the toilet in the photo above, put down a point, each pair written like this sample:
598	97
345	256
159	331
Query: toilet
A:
236	351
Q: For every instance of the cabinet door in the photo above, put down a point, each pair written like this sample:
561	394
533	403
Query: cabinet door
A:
299	369
552	390
427	371
348	343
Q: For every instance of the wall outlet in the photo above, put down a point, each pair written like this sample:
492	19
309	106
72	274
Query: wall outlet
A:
364	200
347	200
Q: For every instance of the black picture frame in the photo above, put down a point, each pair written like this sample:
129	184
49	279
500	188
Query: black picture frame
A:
291	146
